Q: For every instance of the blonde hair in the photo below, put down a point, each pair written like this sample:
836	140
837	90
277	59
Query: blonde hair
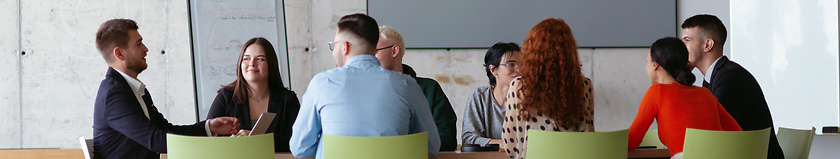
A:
392	36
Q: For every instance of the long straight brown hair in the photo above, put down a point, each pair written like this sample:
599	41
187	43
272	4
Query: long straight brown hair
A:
240	86
552	83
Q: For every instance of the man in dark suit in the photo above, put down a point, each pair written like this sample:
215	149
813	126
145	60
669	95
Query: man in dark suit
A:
735	88
126	123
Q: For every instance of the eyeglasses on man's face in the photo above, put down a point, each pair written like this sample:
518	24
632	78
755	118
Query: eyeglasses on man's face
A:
332	44
383	48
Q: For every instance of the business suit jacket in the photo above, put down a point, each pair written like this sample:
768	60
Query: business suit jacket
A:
739	93
281	101
121	129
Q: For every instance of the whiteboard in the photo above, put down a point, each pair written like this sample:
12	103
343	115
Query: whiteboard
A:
480	24
219	28
791	47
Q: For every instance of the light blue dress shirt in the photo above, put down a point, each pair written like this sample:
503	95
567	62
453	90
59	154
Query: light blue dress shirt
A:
361	99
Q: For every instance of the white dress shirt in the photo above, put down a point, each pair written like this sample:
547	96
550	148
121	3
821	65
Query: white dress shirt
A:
139	90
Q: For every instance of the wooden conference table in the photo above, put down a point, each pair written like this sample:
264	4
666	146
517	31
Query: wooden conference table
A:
639	153
41	153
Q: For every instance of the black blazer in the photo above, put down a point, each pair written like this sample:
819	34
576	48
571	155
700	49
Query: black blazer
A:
739	93
281	101
120	128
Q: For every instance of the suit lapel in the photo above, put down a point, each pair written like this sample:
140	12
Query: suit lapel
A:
272	108
148	100
112	73
723	60
245	113
154	115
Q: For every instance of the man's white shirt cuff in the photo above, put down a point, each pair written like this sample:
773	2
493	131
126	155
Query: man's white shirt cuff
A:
207	129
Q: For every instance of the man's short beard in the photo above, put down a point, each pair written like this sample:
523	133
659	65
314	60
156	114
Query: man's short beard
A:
136	67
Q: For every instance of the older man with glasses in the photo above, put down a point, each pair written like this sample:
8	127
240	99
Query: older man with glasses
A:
390	51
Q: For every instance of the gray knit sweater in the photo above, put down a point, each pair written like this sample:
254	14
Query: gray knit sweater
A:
483	118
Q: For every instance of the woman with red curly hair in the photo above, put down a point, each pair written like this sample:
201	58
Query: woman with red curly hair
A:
551	93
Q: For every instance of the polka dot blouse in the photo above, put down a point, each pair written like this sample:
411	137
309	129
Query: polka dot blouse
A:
515	128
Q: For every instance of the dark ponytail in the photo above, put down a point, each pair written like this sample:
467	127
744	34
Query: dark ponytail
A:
672	55
494	56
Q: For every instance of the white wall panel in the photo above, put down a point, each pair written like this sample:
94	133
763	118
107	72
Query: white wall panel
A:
791	47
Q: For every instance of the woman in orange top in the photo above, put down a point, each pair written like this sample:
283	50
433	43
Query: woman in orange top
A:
673	101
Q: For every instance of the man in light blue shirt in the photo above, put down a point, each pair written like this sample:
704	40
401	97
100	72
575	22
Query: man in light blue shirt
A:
360	97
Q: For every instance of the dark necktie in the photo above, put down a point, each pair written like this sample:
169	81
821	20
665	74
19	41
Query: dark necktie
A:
705	84
148	100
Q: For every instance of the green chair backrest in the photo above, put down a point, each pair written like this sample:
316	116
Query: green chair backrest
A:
706	144
413	146
652	139
197	147
590	145
796	144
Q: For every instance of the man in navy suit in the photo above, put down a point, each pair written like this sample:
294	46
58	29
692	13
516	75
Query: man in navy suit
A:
735	88
126	123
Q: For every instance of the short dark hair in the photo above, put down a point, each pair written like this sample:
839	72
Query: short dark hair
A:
240	86
113	33
360	25
672	55
710	25
494	56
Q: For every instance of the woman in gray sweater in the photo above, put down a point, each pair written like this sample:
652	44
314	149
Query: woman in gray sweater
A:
484	115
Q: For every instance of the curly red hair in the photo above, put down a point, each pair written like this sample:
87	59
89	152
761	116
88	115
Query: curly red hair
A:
552	82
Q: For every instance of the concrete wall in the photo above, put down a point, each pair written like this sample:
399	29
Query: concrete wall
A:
10	74
53	86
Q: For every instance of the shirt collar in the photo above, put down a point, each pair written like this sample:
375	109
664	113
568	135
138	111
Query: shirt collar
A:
362	59
708	76
136	85
409	71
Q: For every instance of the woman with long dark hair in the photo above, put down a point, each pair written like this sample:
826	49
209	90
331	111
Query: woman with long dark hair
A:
673	101
257	89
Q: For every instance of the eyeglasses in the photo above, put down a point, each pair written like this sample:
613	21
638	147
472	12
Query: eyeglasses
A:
511	65
385	48
332	44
